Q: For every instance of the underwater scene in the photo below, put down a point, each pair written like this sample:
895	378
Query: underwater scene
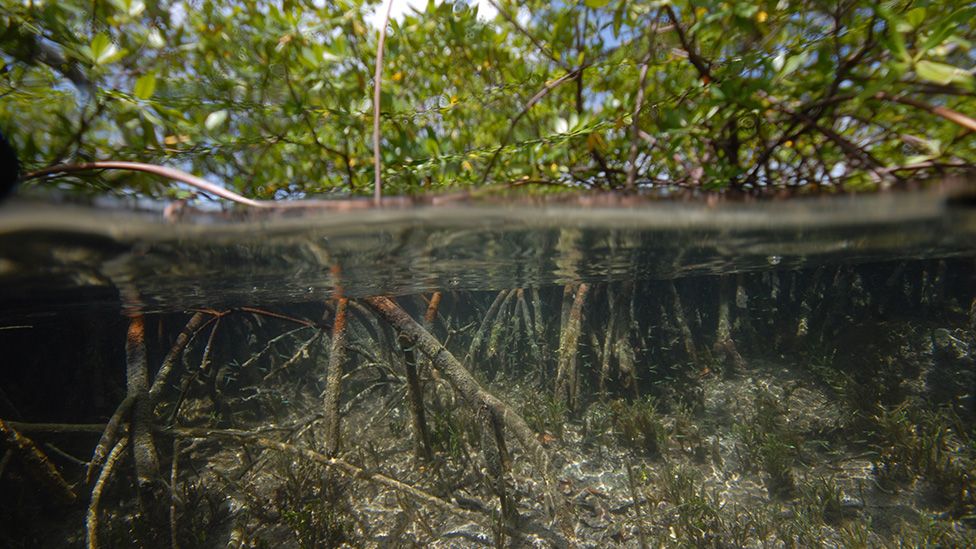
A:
655	375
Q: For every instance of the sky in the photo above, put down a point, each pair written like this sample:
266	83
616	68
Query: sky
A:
486	12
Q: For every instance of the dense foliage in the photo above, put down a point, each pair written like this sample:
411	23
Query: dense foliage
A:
273	99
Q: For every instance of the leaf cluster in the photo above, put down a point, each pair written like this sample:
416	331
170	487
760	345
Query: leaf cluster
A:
273	99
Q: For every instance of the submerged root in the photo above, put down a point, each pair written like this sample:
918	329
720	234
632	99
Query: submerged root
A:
193	325
38	466
137	388
91	521
341	465
486	323
679	317
333	383
567	386
469	388
422	445
110	436
724	344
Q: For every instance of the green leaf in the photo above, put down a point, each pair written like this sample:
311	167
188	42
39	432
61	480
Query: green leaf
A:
893	39
101	46
155	39
215	119
595	4
145	86
792	64
940	73
915	17
945	28
102	51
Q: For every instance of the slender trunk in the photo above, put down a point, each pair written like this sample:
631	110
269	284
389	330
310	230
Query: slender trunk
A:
500	326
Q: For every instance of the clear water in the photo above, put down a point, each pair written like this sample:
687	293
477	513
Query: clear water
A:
772	374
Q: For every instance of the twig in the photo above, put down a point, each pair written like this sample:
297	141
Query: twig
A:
632	483
702	66
65	455
522	30
377	78
639	104
269	345
925	165
173	476
280	316
528	106
301	352
952	116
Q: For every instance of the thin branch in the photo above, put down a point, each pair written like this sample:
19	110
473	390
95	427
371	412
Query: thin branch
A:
535	41
528	106
170	173
311	129
702	66
952	116
635	126
377	160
